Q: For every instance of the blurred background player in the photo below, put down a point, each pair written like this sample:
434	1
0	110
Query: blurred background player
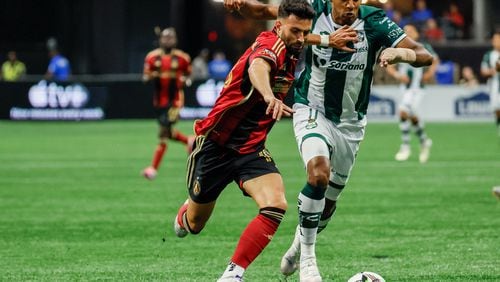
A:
412	80
59	68
230	145
490	68
331	100
168	68
12	69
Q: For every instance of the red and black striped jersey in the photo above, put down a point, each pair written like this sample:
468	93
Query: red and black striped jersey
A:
238	119
172	68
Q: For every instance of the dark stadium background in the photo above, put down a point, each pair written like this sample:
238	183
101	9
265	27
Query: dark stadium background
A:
103	37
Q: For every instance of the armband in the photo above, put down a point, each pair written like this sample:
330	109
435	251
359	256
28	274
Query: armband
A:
325	40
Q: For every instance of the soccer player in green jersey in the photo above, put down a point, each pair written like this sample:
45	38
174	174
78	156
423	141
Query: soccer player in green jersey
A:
412	81
331	100
490	68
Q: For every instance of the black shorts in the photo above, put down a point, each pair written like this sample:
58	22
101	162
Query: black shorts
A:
167	116
212	167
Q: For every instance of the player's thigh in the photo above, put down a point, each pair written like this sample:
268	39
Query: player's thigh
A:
259	178
495	101
210	170
312	133
267	190
344	154
406	102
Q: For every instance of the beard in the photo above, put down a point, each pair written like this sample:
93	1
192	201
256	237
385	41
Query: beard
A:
295	49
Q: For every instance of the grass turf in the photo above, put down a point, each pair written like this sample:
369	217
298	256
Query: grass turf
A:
74	207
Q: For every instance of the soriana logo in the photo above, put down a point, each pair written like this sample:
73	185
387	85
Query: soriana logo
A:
52	95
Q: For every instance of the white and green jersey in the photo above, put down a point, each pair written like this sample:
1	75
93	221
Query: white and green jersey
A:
414	73
338	83
489	62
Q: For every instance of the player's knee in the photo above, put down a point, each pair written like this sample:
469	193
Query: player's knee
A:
273	213
318	173
318	178
196	224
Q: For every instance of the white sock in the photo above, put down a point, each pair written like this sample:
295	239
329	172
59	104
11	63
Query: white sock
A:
310	212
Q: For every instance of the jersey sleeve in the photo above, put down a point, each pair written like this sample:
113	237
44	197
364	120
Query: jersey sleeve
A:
387	32
485	63
268	50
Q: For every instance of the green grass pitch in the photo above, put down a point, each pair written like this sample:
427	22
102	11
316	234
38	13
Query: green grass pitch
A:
74	207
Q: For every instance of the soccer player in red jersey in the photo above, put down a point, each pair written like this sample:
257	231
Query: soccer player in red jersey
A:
230	142
168	68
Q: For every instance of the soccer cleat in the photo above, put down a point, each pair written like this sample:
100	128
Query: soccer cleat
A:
190	144
309	271
404	153
179	229
235	278
289	263
496	192
290	260
149	173
425	150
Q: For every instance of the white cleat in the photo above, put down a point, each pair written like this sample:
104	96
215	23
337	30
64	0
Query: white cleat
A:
235	278
289	263
404	153
425	151
309	271
178	229
149	173
290	260
496	192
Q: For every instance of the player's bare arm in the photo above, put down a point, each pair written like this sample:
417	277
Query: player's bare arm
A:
256	10
407	51
339	39
259	73
431	70
252	9
392	71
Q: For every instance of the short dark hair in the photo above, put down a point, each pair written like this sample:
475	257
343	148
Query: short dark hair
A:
300	8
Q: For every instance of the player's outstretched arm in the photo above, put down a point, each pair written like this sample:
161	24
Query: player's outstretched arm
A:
259	73
338	39
407	51
252	9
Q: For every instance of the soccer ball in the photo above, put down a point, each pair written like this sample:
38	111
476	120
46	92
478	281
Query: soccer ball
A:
366	276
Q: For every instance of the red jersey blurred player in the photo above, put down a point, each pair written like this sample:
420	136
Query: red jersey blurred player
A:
168	68
230	142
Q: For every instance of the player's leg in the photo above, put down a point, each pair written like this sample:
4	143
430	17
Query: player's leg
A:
495	103
343	158
404	126
419	127
311	131
163	134
269	194
176	135
209	170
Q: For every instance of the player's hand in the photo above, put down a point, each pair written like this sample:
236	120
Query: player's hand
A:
427	76
233	5
341	37
277	108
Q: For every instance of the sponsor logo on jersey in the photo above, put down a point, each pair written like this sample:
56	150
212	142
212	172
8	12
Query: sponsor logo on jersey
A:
476	105
336	65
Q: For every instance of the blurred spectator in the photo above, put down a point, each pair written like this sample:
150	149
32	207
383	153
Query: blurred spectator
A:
219	67
389	10
200	66
399	19
433	33
12	69
421	14
59	68
456	21
468	78
446	72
